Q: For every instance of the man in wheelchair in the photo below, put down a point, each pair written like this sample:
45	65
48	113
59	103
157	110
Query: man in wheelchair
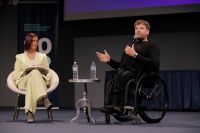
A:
139	57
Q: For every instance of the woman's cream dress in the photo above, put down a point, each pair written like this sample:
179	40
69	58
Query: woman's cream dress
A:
34	82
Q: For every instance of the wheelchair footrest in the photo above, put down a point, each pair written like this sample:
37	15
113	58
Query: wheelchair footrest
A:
135	120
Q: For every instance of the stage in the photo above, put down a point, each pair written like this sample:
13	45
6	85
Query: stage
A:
173	122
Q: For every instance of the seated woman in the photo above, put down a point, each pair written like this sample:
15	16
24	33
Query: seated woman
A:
30	78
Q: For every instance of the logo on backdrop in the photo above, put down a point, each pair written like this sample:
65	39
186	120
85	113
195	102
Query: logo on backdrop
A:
43	41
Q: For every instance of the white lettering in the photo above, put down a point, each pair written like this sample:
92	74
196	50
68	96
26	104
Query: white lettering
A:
41	42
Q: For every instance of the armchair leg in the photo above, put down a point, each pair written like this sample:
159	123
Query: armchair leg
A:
49	113
17	108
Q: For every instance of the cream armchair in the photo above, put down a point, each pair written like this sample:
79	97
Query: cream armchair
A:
13	87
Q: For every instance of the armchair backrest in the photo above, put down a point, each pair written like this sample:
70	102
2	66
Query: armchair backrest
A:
13	87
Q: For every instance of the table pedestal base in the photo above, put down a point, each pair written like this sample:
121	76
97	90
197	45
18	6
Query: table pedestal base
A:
86	105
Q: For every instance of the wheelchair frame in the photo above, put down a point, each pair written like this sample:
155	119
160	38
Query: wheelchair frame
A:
148	87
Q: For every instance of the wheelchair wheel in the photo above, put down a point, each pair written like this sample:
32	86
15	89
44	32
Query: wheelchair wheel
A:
107	119
151	98
109	86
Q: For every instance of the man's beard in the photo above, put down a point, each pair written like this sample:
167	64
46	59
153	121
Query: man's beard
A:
139	39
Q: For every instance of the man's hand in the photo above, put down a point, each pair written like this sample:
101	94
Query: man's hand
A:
103	57
130	50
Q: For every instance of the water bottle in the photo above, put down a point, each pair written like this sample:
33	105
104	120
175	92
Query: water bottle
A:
75	70
93	71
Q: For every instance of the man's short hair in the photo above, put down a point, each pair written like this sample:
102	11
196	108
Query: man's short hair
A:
144	22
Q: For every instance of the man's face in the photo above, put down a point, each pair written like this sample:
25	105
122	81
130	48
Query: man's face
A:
141	31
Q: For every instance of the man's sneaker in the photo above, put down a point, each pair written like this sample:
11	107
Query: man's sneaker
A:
107	109
118	110
112	110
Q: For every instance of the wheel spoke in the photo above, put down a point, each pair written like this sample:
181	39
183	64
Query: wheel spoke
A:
152	101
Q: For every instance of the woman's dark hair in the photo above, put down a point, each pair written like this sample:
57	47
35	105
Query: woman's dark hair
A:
28	40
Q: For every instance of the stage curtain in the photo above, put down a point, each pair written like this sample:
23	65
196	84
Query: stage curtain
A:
183	87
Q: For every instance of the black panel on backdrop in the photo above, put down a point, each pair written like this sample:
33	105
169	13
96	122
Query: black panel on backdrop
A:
42	19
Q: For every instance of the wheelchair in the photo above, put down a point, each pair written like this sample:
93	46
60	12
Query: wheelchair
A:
146	95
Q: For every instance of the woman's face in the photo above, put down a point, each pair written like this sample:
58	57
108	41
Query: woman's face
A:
34	44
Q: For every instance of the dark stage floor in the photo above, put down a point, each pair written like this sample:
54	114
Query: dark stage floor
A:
173	122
